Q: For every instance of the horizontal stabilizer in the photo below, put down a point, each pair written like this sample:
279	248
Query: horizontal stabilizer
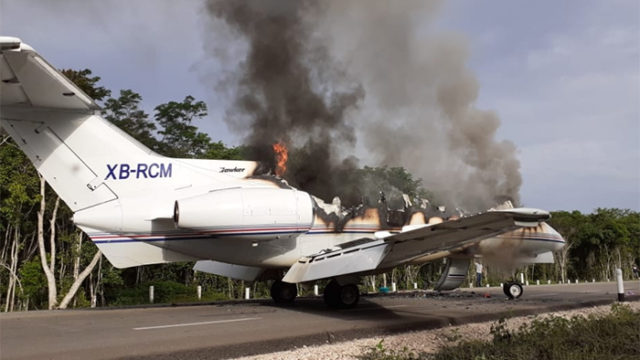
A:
30	81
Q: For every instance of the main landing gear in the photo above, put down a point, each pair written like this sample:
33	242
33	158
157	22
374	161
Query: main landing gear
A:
283	293
512	289
335	295
341	296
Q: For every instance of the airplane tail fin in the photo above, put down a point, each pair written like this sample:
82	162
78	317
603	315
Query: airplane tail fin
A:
59	127
104	175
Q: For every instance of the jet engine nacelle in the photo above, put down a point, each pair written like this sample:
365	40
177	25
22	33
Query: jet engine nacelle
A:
256	213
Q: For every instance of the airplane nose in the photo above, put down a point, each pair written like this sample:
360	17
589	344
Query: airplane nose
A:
554	235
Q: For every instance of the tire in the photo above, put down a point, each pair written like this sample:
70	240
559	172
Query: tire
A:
505	288
349	296
331	294
513	290
341	297
283	293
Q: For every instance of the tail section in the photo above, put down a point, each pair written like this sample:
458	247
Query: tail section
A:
57	127
122	194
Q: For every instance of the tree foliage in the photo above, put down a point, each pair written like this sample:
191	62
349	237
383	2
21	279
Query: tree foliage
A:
178	136
87	83
599	242
126	114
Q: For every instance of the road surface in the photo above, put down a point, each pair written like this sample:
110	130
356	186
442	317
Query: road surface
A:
214	331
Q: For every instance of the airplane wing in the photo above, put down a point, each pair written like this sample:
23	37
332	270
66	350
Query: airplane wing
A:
364	256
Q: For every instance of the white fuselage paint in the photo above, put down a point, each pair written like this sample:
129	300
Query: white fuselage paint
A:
149	220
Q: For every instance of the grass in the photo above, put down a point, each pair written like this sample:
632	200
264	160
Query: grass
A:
615	335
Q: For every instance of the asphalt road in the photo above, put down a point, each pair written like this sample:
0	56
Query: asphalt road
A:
214	331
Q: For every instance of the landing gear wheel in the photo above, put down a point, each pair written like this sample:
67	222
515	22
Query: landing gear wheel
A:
332	294
337	296
283	293
512	290
349	296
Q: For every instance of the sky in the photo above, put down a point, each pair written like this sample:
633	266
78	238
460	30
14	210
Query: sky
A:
564	77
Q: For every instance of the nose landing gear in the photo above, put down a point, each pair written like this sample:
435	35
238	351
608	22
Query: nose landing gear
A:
513	290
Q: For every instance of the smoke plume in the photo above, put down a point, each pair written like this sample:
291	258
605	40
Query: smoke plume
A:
306	68
288	90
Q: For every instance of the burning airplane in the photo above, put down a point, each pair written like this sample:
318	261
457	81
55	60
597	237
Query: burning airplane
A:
142	208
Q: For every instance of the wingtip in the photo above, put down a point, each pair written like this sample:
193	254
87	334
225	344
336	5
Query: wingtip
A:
527	217
525	211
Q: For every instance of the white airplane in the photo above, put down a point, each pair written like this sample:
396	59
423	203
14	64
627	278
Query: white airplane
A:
142	208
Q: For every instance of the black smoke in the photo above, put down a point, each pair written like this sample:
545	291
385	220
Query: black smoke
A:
287	88
302	77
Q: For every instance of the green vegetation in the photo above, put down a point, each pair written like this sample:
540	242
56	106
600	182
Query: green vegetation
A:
612	336
381	352
165	292
597	242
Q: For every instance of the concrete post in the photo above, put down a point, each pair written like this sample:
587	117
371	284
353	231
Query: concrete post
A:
199	292
526	283
537	282
316	292
151	294
393	287
488	285
521	278
415	285
577	281
548	282
247	292
620	285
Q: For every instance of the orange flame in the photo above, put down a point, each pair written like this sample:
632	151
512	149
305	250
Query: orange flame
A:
282	154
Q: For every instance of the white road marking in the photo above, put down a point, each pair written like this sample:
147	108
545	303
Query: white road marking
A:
196	323
376	308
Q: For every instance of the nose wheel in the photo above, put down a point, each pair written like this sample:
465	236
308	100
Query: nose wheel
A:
513	290
341	296
283	293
